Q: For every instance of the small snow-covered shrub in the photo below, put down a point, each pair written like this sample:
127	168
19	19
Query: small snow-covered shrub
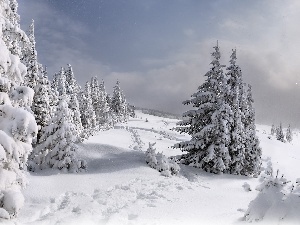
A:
276	201
151	156
163	165
166	166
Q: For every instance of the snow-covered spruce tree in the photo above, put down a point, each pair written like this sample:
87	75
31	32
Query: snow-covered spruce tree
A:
209	123
72	90
30	58
252	162
237	129
72	86
273	130
118	104
104	116
279	134
56	146
131	110
17	126
96	98
41	106
88	117
289	134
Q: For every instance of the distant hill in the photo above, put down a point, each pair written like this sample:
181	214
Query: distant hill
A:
159	113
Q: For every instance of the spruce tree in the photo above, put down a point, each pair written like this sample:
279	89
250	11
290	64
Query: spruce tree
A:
72	90
118	104
41	106
104	116
56	146
88	117
18	126
273	130
279	134
237	129
72	86
31	79
289	134
94	85
253	151
209	123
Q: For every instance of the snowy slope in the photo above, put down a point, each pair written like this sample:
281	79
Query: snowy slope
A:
120	188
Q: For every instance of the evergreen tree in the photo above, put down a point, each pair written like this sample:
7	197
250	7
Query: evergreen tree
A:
279	134
72	86
72	90
118	104
273	130
95	98
41	106
31	79
237	129
56	146
104	116
209	123
223	124
253	151
88	117
289	134
18	126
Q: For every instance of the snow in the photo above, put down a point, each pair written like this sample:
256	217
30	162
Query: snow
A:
120	188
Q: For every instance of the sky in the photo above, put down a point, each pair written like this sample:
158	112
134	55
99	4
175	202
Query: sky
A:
160	50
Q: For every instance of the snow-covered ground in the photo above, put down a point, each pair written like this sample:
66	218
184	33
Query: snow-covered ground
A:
120	188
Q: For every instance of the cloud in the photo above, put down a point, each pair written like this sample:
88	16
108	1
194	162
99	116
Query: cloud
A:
265	34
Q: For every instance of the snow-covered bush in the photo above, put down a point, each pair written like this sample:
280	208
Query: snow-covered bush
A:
166	166
278	200
151	156
163	165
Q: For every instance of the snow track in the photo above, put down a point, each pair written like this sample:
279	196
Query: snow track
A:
118	204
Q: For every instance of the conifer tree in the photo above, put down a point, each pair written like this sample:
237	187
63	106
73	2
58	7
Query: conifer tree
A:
88	117
273	130
208	124
223	124
56	146
94	85
72	86
253	151
31	79
18	126
72	90
104	116
118	104
41	106
289	134
279	134
237	129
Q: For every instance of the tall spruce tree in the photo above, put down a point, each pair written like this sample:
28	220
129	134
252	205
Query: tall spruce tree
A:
289	134
209	123
42	106
118	104
253	151
279	133
88	117
32	77
222	126
72	90
237	129
105	120
18	126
